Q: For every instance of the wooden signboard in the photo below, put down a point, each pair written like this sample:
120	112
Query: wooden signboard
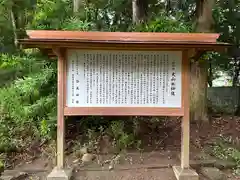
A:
101	82
137	74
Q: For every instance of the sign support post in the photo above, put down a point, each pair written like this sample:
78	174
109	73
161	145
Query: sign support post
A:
59	172
184	172
185	120
60	110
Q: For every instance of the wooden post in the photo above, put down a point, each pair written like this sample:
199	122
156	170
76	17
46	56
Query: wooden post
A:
184	172
60	108
59	172
185	120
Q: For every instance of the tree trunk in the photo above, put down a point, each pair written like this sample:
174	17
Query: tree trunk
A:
198	97
14	28
210	74
236	72
76	5
139	15
237	113
139	11
168	6
98	22
204	23
204	20
88	13
236	56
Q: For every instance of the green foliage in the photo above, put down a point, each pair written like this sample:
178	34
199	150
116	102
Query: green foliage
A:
7	61
6	37
226	16
117	128
28	106
164	23
74	23
49	14
15	66
226	153
122	139
225	150
1	166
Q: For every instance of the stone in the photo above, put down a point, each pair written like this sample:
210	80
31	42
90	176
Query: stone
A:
185	174
202	159
105	144
81	151
224	164
60	174
213	173
202	163
76	161
198	156
6	177
203	156
88	157
13	175
111	167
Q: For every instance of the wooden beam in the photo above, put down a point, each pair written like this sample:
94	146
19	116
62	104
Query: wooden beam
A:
125	46
46	35
123	111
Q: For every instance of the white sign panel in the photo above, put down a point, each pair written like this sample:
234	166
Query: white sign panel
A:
124	78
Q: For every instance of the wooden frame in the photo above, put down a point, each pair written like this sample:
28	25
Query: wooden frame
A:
123	111
126	111
63	110
132	46
55	43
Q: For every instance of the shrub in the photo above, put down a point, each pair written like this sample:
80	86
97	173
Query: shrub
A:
28	105
164	23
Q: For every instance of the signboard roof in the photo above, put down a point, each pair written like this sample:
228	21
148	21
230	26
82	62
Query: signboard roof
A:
47	39
120	37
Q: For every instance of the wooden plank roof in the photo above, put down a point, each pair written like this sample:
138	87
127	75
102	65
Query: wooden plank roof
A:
47	39
119	37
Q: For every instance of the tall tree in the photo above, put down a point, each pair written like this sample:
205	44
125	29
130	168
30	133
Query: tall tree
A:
76	5
199	74
139	11
9	8
14	27
17	12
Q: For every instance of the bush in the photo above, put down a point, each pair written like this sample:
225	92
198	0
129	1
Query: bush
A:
164	23
50	14
16	66
74	23
28	105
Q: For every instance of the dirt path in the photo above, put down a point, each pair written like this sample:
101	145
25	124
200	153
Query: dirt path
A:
137	174
152	165
131	174
132	166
